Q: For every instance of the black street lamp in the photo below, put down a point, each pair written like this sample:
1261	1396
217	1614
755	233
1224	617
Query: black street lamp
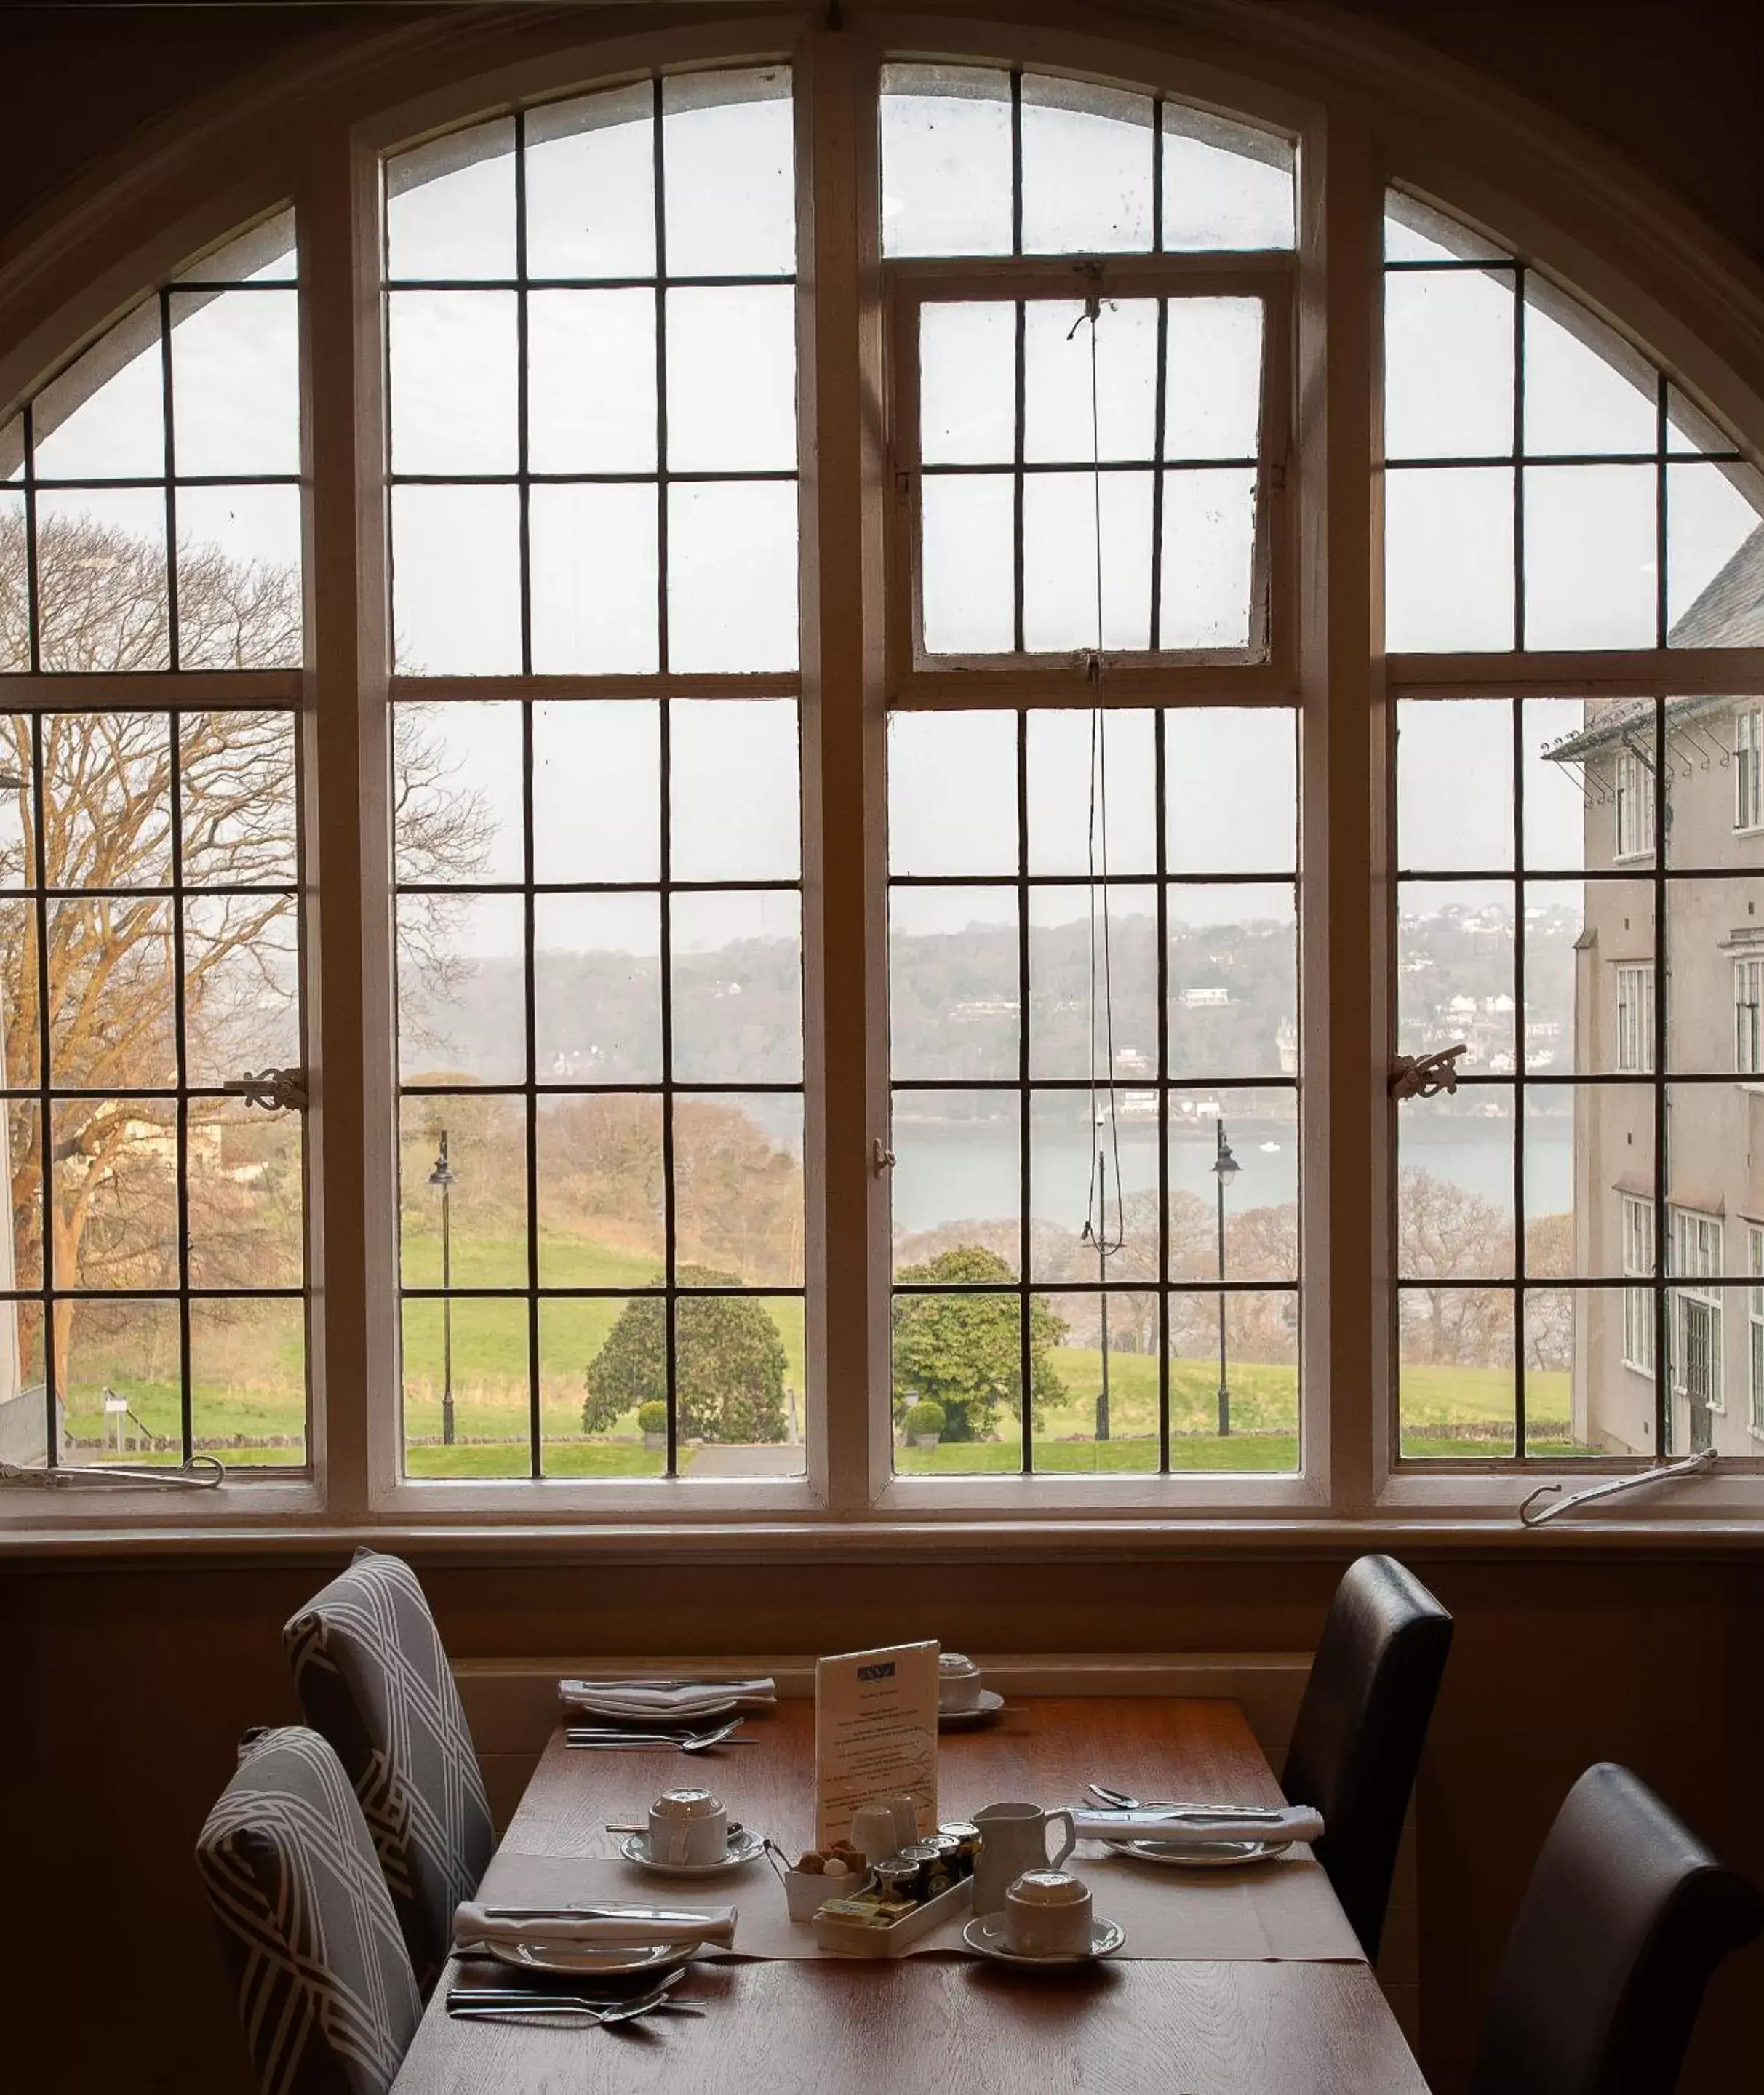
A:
1102	1272
1225	1168
442	1176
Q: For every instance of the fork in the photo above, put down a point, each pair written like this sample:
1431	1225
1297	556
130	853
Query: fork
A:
514	2003
687	1742
1118	1800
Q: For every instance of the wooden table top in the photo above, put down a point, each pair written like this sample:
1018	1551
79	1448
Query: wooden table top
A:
929	2021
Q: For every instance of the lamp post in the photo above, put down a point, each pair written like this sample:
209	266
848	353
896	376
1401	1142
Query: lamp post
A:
1102	1274
442	1176
1225	1169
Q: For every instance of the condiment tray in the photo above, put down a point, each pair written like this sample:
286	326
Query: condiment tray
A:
843	1937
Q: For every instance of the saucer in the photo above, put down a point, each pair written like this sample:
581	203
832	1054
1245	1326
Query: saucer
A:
743	1847
1198	1854
586	1959
983	1712
987	1936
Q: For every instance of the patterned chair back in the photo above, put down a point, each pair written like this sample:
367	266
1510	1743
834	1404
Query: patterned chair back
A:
326	1994
372	1677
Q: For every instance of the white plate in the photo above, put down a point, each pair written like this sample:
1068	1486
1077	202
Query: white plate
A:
1198	1854
987	1936
586	1959
743	1847
984	1710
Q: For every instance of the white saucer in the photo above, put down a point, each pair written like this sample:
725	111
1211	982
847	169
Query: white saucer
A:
1198	1854
587	1959
743	1847
983	1712
986	1935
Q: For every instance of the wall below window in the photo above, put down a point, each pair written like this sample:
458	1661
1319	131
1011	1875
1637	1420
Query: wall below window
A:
126	1688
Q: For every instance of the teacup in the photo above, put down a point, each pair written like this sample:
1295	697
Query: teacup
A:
688	1828
958	1682
1047	1913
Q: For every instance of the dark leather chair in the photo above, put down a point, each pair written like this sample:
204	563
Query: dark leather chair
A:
1358	1738
326	1992
1625	1917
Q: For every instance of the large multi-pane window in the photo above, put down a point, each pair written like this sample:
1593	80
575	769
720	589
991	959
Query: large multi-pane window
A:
153	1265
590	316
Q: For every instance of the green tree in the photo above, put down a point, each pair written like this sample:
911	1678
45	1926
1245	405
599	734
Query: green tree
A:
729	1364
965	1351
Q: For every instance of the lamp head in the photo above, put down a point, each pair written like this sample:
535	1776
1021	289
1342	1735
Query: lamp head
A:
442	1174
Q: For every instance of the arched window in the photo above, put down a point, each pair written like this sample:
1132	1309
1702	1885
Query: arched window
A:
957	856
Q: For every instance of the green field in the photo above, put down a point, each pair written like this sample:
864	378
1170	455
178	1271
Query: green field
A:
248	1378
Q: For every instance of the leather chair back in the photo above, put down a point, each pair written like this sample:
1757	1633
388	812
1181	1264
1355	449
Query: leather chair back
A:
1625	1916
326	1992
1358	1738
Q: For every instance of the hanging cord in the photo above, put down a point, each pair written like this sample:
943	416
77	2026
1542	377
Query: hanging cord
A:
1096	1226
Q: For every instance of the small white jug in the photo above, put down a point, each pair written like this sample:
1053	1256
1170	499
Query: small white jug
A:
1013	1838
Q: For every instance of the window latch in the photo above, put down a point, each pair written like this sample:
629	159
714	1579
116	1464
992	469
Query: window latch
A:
275	1090
1426	1076
881	1158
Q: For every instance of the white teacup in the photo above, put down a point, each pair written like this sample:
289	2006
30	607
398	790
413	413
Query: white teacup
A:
688	1827
1047	1913
959	1681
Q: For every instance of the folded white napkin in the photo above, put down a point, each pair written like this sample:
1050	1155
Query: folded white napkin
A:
1167	1822
664	1701
476	1927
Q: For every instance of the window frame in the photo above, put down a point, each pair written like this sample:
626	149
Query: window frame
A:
1612	235
1639	1316
1635	1041
1749	1030
1748	769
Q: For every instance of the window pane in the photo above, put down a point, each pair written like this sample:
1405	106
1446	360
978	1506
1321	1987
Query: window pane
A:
1207	584
14	595
248	1380
1057	401
1590	564
240	604
733	779
115	1194
1231	788
1093	1179
597	970
953	1003
958	1371
738	1165
112	970
1455	947
473	1352
595	606
1554	1319
1074	943
1449	365
731	179
956	1182
732	575
1449	560
104	417
1589	960
1586	390
1454	785
1212	378
450	206
460	969
1454	1205
463	1190
457	775
738	1364
129	1354
1224	185
236	382
456	581
1061	563
1715	937
590	185
732	380
241	972
1455	1390
453	362
1261	1136
1714	555
602	1200
966	537
1086	168
945	147
602	1362
1069	752
596	789
107	780
952	793
967	382
247	1220
1098	1409
102	597
1233	976
1587	1149
737	1000
591	381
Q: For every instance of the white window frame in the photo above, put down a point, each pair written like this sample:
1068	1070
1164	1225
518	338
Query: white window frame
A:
1695	1254
1749	769
1749	1017
1754	1319
1633	816
1635	1017
1637	1238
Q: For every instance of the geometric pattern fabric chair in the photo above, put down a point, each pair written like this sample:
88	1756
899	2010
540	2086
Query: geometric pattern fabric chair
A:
1625	1916
1361	1726
373	1679
325	1990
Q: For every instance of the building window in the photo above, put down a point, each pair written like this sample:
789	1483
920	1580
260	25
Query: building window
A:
1696	1269
1635	808
1754	1306
1748	994
1635	1018
1638	1302
1748	767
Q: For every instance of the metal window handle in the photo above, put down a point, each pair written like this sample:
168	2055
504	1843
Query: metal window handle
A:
275	1090
1612	1485
1426	1076
881	1158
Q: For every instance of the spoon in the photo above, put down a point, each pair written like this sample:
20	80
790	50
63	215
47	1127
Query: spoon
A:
1118	1800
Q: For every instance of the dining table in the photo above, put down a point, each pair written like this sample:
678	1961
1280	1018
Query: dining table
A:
1281	2003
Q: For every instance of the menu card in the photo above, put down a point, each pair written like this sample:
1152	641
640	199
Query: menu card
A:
875	1735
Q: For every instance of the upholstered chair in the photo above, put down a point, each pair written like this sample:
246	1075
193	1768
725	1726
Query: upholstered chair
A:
326	1994
373	1678
1357	1738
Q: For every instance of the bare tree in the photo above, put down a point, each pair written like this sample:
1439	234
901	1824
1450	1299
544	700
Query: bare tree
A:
115	964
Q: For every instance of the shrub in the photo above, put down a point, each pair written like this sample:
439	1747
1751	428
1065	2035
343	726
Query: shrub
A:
926	1420
652	1418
